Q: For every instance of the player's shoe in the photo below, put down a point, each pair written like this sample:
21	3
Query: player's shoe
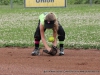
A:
61	52
35	52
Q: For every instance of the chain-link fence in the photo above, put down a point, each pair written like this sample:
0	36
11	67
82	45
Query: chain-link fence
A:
12	3
21	3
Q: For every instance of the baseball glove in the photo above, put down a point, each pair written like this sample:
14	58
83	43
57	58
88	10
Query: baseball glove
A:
52	52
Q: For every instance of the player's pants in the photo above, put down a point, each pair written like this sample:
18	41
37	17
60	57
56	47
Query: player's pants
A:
60	32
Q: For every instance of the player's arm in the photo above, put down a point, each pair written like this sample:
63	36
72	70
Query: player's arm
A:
43	37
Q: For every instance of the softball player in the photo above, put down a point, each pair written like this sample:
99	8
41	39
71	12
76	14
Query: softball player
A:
48	20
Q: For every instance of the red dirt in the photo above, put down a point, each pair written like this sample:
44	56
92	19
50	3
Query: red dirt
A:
18	61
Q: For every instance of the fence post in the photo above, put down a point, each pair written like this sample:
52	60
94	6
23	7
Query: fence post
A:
90	2
11	3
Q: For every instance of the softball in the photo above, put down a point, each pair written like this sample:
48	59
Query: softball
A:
51	39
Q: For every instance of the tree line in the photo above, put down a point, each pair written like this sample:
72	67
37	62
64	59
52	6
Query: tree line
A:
7	2
83	1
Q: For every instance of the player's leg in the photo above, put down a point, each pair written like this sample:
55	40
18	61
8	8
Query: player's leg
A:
61	37
37	38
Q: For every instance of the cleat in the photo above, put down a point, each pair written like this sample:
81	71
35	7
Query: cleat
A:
35	52
61	52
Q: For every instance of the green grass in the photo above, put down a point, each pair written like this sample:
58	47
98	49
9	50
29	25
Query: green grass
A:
81	24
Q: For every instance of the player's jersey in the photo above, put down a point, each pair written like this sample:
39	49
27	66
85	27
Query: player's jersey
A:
42	17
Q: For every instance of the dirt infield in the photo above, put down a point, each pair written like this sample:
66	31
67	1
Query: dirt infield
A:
18	61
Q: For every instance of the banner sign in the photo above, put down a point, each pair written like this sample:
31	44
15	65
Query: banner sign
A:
45	3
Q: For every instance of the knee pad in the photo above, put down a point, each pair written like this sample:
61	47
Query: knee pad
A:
61	38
